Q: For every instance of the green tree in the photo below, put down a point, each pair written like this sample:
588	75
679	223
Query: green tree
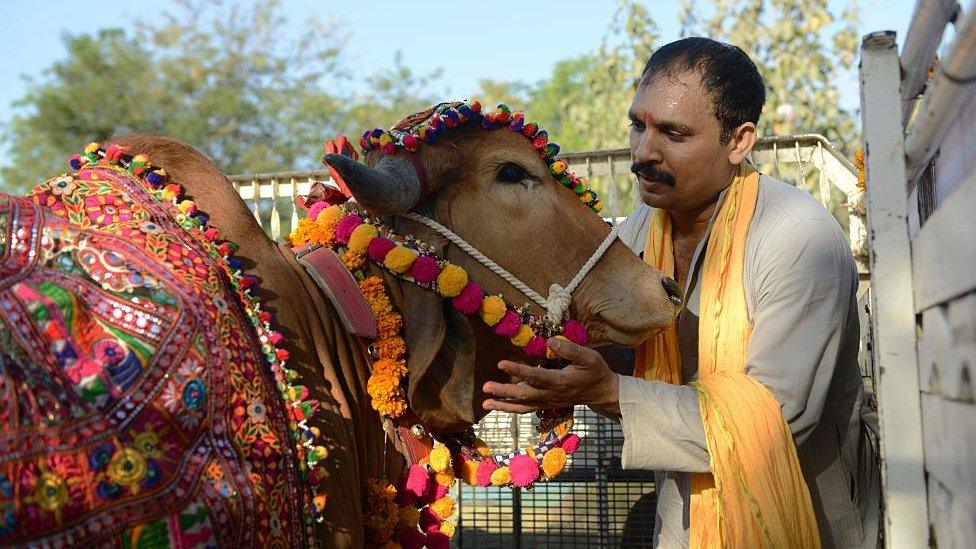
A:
391	94
218	75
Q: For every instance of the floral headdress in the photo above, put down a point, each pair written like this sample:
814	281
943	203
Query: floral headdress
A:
426	126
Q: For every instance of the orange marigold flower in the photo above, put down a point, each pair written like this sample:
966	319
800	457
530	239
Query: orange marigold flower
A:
393	407
388	366
444	507
391	348
389	325
382	385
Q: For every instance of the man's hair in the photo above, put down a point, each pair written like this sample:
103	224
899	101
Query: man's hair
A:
727	74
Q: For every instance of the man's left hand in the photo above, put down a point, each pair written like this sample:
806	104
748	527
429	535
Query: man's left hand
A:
586	380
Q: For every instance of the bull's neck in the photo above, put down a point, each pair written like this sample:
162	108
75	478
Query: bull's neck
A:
321	349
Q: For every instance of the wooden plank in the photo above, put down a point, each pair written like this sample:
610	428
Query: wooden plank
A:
933	349
944	252
892	319
961	353
950	459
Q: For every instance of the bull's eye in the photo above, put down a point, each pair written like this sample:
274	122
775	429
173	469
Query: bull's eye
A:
511	173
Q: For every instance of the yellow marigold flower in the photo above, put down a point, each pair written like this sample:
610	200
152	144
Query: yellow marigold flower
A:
452	280
501	477
444	507
361	236
440	458
522	336
482	448
553	462
409	516
300	236
469	472
551	355
448	529
400	259
492	310
329	217
353	260
446	478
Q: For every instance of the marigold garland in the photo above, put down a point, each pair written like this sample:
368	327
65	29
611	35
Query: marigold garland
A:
356	236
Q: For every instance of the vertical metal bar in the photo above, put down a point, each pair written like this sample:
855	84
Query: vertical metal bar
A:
892	302
602	492
275	214
517	492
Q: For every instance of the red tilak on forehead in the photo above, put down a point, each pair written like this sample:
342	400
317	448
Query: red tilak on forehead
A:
647	117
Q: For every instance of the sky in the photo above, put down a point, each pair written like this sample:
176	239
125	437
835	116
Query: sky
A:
469	41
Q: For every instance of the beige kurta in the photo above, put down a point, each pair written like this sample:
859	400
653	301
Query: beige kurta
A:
800	283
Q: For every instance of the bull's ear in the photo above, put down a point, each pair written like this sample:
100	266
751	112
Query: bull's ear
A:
441	351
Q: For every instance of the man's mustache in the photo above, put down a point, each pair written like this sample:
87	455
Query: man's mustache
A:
650	172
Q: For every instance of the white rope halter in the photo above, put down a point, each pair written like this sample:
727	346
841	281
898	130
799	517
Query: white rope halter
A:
557	304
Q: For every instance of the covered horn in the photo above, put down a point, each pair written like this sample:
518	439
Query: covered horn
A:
390	187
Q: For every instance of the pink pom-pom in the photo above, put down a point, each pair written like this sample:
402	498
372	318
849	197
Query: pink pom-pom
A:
440	491
429	521
524	471
316	209
211	233
412	539
469	300
570	443
276	338
508	325
485	468
417	485
378	248
536	347
575	332
425	269
438	540
346	226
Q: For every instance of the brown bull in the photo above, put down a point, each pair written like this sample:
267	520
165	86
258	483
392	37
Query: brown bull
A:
534	227
491	188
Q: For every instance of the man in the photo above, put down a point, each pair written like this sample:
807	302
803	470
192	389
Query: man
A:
749	409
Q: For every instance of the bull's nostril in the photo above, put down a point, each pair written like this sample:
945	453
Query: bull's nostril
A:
673	291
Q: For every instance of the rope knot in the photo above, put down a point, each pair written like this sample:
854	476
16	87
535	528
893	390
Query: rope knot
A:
557	303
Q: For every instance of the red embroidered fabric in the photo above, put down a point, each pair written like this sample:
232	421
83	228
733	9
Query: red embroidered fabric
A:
136	403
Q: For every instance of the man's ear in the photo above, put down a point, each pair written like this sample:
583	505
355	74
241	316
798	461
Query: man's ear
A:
742	141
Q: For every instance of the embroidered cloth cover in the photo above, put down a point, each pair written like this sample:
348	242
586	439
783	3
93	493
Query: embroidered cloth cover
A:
136	405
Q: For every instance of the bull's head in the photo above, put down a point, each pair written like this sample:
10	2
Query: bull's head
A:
492	188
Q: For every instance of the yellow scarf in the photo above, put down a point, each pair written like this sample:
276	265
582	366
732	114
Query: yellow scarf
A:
755	495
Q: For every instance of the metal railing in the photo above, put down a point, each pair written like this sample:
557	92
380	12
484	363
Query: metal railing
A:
808	161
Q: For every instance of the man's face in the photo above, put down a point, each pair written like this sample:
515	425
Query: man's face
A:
674	142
